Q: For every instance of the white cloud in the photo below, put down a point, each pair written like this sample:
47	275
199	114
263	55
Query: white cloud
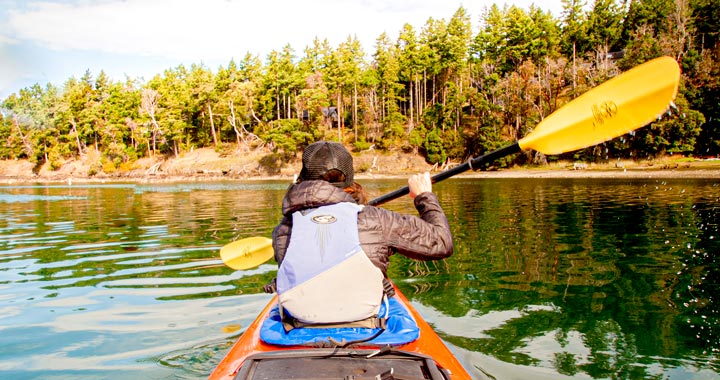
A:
180	29
5	40
8	68
211	29
52	40
185	29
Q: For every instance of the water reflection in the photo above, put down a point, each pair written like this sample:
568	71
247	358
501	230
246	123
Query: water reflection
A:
550	279
606	263
123	281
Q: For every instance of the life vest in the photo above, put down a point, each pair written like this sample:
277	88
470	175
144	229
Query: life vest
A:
326	277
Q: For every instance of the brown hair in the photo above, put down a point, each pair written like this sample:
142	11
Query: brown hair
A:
354	189
357	192
333	176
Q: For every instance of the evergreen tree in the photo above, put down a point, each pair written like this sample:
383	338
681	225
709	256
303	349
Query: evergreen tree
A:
440	91
388	71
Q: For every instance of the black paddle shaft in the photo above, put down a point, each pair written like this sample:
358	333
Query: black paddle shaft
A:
472	163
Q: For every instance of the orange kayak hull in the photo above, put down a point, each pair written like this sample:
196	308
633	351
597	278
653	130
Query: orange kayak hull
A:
249	343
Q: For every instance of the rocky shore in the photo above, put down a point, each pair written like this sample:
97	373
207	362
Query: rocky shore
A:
207	165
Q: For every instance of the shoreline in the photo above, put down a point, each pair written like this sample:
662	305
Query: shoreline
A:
205	165
604	173
533	173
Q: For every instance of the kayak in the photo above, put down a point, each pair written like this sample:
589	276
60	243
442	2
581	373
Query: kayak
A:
426	357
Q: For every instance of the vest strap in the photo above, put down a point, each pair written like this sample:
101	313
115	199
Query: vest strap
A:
369	323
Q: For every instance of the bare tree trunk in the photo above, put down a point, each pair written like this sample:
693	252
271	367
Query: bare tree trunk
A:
383	107
277	102
681	16
355	107
148	105
433	89
212	125
339	118
233	122
574	70
77	135
411	122
27	146
458	109
133	130
241	133
289	107
155	132
424	99
252	110
418	99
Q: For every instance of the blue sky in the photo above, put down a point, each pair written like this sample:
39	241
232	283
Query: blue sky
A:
51	40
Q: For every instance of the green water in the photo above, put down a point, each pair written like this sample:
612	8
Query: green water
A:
588	279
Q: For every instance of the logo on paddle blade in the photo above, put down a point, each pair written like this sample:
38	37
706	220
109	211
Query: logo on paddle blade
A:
324	219
603	112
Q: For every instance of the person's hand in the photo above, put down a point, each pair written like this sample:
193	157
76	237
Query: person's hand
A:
419	183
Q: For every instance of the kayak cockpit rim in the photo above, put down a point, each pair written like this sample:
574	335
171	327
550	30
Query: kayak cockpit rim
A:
341	363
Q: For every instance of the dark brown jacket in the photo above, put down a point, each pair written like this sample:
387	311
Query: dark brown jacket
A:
381	232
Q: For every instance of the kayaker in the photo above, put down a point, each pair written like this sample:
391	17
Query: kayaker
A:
333	250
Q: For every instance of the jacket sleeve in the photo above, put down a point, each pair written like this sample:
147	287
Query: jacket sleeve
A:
426	237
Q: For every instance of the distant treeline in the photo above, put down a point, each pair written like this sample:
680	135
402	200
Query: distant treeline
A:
444	91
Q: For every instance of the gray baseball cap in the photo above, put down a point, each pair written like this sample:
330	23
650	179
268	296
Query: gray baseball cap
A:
323	156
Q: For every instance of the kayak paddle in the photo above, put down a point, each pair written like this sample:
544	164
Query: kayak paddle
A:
247	253
624	103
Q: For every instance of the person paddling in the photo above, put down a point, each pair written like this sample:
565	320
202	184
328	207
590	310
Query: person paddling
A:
333	250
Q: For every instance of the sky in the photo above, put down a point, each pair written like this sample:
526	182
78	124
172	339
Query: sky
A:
49	41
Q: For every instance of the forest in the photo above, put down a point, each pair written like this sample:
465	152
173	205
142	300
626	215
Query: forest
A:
448	90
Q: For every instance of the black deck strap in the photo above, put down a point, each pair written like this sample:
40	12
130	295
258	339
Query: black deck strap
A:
388	288
343	343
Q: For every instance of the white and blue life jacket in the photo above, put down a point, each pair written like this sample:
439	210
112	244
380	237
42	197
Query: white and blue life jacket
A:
325	276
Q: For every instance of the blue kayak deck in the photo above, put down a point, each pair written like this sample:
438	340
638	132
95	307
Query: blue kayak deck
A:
401	329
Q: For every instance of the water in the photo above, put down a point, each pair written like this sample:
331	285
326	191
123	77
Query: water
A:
597	278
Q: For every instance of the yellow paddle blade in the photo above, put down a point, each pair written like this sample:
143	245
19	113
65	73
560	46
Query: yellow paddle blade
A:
247	253
627	102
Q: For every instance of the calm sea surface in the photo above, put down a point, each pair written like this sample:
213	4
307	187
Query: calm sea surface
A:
551	278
